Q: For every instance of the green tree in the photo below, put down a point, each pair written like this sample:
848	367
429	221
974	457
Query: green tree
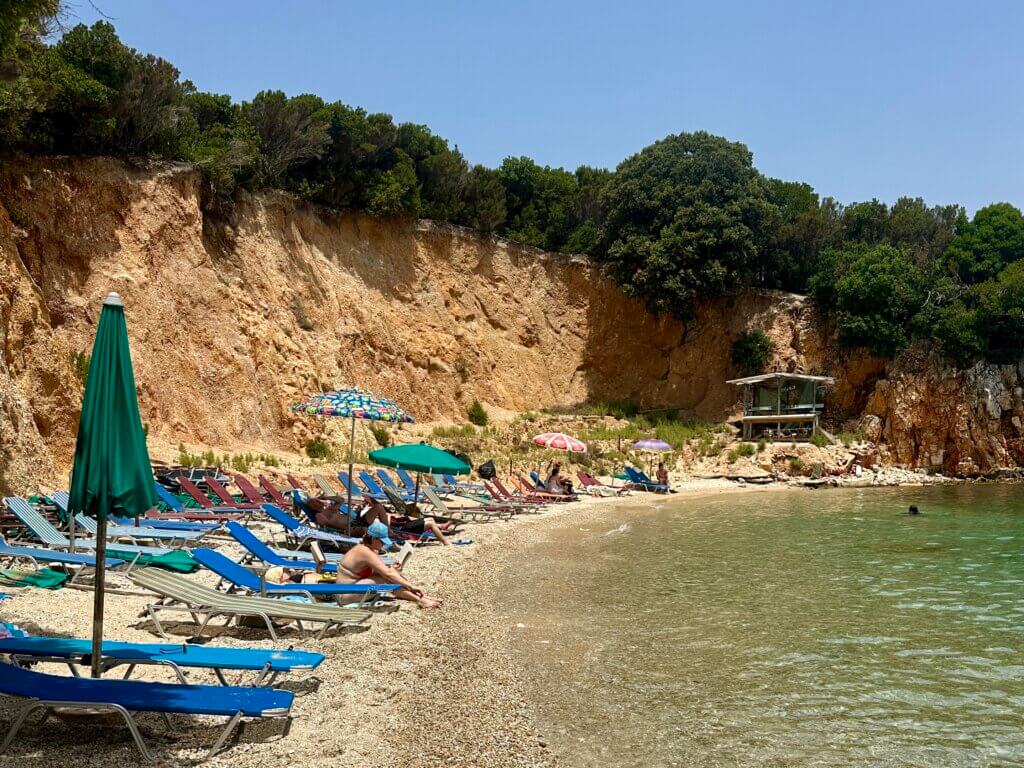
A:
685	218
483	200
751	351
992	240
877	295
289	131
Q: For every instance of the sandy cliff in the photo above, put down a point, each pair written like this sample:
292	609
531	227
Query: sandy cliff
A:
231	324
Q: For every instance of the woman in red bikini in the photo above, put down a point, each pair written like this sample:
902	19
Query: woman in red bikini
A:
362	565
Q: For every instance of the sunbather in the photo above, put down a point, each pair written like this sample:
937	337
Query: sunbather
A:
555	483
362	565
329	514
662	473
414	522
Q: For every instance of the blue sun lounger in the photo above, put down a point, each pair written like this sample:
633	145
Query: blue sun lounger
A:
642	481
259	551
268	664
134	534
44	530
407	493
375	490
303	534
61	500
170	525
239	577
36	555
123	697
357	492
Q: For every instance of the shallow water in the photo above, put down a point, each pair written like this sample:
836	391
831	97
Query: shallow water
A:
818	628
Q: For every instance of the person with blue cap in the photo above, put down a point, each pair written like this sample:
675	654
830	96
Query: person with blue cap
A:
362	564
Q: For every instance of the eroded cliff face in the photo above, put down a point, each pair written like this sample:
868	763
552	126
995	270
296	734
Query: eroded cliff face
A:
231	325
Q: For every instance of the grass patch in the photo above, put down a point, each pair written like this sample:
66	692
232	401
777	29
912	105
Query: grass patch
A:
464	430
318	449
849	437
819	440
477	414
796	466
381	435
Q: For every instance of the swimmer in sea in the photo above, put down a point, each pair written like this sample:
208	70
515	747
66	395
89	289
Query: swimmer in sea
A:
913	510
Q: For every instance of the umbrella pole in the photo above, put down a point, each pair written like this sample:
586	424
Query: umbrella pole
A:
98	595
351	444
71	517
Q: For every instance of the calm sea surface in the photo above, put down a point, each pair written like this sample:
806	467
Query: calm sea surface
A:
818	628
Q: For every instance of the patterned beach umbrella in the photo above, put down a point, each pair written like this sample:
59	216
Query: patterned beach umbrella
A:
560	442
353	404
657	446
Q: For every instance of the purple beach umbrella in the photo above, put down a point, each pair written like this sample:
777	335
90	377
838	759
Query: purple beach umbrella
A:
658	446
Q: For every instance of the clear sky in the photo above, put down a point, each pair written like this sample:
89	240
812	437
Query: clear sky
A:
860	99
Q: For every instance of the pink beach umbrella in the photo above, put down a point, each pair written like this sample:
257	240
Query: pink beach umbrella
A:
560	442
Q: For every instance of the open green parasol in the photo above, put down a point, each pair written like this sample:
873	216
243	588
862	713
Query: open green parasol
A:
111	473
419	457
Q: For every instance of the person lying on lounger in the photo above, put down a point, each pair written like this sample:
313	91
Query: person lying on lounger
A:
415	523
329	514
362	565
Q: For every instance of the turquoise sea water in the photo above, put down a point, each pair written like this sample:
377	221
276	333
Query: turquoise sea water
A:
820	628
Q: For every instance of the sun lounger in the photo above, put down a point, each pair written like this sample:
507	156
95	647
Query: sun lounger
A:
179	511
357	492
204	501
536	485
170	525
268	664
123	697
273	492
640	480
517	501
134	534
389	482
303	534
294	483
257	550
592	485
452	482
370	483
133	554
184	595
250	491
237	576
485	513
225	497
325	487
34	555
407	481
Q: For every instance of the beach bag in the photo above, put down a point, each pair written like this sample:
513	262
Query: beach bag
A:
487	470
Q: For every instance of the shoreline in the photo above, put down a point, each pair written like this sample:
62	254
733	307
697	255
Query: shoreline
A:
415	688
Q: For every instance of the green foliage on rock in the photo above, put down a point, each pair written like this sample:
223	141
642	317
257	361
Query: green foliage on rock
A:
751	351
477	414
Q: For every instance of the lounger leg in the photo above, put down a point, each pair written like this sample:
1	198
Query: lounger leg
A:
232	723
19	721
157	624
220	677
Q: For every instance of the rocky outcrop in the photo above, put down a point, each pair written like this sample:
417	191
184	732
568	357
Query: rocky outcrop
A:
966	422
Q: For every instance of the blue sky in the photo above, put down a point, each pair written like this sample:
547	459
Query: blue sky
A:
865	99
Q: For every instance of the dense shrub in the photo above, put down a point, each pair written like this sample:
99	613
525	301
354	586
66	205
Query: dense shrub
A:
477	414
318	449
751	351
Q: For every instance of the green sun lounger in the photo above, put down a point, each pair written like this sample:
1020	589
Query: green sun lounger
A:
122	697
183	595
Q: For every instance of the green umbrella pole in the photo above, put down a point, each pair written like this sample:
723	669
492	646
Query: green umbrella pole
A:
99	593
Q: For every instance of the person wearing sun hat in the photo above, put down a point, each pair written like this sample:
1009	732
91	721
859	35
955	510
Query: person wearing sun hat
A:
362	564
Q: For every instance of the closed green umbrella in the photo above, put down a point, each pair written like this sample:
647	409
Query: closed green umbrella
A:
111	472
419	457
